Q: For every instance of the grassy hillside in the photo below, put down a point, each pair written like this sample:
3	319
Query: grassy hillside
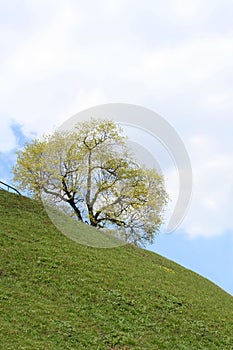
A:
57	295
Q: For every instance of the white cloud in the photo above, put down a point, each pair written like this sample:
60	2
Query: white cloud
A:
191	64
186	7
7	139
210	212
40	55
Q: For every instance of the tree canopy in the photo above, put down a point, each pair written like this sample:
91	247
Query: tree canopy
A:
91	174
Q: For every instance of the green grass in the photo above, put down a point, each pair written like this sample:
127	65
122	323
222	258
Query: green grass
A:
57	294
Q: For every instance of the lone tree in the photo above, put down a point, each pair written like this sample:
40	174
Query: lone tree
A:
91	174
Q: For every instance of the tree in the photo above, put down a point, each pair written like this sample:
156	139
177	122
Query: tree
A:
92	174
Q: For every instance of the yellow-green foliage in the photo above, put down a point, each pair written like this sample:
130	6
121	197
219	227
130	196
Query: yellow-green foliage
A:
92	171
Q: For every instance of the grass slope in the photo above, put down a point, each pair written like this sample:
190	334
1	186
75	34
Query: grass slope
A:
58	295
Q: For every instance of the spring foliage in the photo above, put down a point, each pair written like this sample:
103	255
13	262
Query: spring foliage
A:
91	174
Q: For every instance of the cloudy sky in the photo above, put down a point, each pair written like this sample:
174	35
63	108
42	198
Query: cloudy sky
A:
58	57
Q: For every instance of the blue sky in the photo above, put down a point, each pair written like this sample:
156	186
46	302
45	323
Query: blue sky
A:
174	57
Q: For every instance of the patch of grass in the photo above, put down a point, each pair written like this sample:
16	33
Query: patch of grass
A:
57	294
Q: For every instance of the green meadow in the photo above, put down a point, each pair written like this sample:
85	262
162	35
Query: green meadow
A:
56	294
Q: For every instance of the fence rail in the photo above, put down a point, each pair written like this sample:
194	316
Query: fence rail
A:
8	187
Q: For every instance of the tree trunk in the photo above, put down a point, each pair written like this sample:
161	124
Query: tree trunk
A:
93	222
76	210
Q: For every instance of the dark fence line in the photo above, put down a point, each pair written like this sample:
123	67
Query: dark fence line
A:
8	187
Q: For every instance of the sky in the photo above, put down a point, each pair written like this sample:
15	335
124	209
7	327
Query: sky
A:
174	57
